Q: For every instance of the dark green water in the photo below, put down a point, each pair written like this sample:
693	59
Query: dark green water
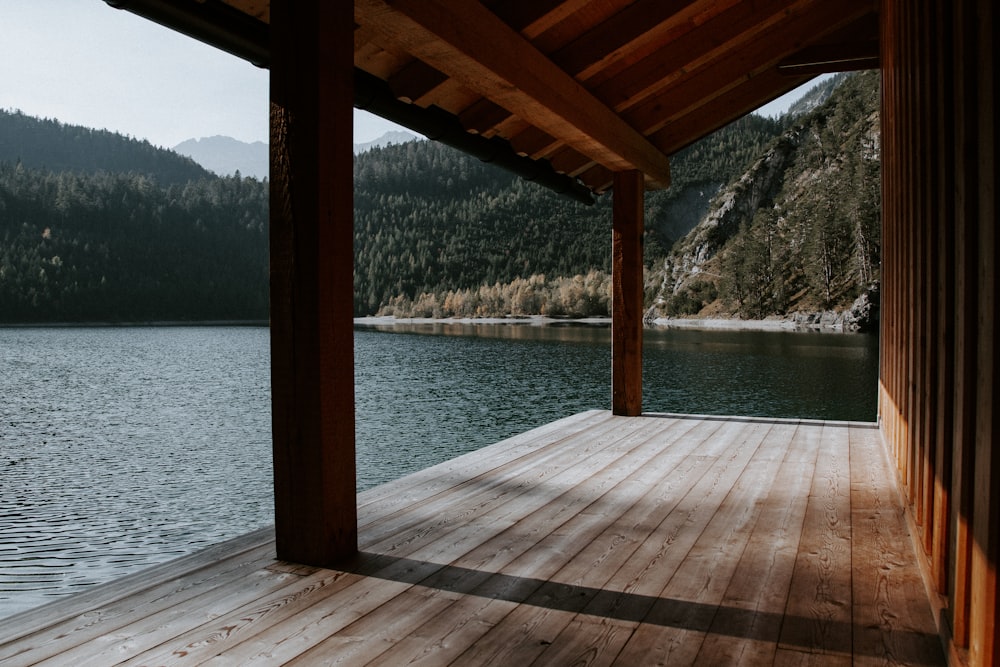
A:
426	393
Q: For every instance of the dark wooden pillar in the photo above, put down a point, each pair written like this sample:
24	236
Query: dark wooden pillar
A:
626	298
312	359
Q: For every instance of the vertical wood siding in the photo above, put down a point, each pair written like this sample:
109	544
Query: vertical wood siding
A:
938	372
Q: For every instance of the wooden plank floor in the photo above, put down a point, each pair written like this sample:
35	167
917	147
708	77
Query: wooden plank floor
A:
594	540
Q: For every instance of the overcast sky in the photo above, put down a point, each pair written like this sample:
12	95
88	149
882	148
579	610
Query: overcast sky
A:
84	63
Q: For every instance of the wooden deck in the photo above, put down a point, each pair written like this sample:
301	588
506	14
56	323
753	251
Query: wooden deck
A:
655	540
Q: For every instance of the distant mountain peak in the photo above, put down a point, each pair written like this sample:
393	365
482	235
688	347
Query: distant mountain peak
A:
225	155
391	137
219	140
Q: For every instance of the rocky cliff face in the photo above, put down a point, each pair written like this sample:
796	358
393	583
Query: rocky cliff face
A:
732	206
794	237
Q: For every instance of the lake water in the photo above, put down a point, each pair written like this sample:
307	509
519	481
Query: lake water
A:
125	447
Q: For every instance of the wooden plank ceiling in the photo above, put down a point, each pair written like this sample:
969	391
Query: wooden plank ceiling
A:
597	86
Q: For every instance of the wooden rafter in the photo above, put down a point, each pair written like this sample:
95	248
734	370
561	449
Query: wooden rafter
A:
509	71
535	17
634	32
724	38
721	76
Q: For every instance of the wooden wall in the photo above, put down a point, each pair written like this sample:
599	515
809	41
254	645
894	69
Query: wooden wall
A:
937	401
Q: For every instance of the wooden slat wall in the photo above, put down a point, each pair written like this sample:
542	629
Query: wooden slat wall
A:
939	370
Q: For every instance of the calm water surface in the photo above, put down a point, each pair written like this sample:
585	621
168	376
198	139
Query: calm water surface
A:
125	447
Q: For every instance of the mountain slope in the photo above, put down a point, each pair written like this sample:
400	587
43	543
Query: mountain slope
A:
387	139
51	145
95	226
798	232
815	97
433	228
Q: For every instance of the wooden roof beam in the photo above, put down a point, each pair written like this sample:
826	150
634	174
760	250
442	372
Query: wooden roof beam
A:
598	179
631	35
854	47
482	116
532	18
509	71
374	95
584	19
415	80
724	34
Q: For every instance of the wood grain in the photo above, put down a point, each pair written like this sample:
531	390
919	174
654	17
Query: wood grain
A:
599	540
626	294
818	614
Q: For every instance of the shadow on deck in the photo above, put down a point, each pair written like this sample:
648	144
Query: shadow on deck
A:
661	539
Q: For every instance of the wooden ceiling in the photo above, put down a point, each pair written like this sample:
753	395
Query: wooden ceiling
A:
597	86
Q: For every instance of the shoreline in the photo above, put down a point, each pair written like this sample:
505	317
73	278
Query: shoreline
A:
526	320
154	323
707	324
747	325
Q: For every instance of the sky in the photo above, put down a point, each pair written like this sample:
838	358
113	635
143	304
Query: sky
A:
85	63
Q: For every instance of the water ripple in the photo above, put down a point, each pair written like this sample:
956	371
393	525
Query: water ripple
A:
122	448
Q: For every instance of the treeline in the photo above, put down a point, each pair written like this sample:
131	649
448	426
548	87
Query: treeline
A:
576	297
429	219
49	145
78	247
810	245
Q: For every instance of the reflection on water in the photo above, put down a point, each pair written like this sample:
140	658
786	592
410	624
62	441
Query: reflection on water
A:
432	391
776	374
124	447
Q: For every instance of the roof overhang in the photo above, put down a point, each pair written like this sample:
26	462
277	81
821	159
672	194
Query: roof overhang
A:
567	91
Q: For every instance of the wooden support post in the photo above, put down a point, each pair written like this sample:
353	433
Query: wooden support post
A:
626	298
312	359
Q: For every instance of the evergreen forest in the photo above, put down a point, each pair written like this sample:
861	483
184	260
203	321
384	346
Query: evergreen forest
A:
97	227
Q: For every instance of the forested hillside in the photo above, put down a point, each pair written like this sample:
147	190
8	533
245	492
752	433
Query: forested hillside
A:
799	232
49	145
95	226
116	247
440	233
